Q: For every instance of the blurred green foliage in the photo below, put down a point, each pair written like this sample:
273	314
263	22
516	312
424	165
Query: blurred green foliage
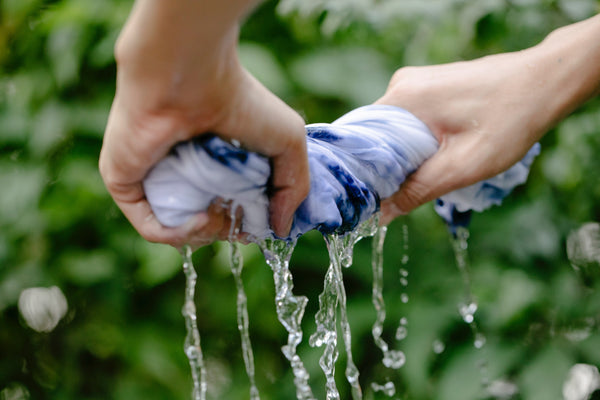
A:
122	337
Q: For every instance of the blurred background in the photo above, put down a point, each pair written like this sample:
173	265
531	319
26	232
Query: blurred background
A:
89	310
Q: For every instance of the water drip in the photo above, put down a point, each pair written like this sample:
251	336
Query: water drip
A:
438	346
394	359
468	307
401	333
192	347
388	388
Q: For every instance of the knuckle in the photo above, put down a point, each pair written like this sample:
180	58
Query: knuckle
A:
401	76
411	196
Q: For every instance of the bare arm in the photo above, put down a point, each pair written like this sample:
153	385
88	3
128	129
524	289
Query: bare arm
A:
488	112
178	76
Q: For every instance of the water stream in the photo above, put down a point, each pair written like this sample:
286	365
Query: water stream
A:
290	309
192	347
340	250
332	303
237	264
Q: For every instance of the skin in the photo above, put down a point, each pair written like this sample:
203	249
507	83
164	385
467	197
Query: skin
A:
488	112
178	76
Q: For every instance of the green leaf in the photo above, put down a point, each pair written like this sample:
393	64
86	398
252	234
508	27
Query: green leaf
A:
354	74
88	268
158	263
261	63
543	377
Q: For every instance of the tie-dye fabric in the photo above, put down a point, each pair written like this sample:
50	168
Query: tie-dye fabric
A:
356	161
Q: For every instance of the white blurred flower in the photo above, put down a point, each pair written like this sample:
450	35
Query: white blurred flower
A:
15	391
583	380
42	308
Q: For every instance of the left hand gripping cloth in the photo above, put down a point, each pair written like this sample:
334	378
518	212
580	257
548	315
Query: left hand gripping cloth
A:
356	161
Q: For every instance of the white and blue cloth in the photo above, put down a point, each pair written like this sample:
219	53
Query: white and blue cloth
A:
356	161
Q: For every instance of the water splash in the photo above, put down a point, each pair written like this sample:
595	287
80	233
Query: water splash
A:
237	264
191	346
290	309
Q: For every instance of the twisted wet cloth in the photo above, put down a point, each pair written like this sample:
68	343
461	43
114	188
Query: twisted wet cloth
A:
355	162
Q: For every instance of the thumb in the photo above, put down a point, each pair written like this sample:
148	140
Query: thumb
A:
447	170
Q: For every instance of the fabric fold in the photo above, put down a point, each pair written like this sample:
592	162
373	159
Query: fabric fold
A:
355	162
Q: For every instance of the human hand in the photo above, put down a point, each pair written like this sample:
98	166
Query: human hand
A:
487	113
174	83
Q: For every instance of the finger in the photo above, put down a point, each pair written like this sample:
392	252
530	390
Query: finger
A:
266	125
291	184
457	164
142	218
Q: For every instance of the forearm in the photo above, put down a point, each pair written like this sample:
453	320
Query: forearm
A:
167	43
567	64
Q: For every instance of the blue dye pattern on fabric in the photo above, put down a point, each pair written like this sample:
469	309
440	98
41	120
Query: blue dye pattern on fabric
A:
226	155
322	134
354	162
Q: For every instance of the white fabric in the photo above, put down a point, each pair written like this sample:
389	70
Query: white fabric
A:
355	162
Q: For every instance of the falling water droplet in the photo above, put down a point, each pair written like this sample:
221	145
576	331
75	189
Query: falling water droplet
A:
389	389
394	359
404	298
401	333
479	340
438	346
467	312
